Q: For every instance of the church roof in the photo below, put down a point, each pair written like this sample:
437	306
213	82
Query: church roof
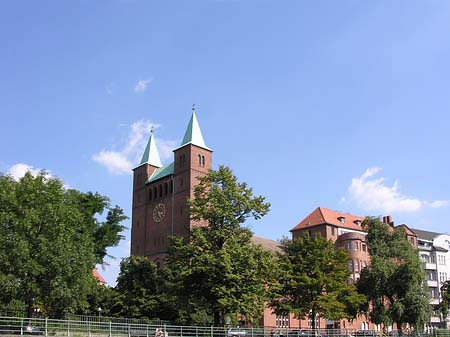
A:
151	155
193	134
267	244
161	172
323	215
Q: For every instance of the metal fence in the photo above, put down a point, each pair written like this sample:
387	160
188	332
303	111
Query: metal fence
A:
14	326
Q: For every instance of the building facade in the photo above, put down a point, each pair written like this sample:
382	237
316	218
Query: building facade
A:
434	251
160	193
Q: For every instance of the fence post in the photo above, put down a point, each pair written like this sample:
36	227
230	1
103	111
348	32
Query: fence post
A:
212	331
68	328
46	326
129	330
146	332
110	332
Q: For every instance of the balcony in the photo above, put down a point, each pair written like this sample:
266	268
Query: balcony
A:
432	283
434	301
429	266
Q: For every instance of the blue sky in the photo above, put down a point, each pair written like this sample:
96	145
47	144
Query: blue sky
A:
340	104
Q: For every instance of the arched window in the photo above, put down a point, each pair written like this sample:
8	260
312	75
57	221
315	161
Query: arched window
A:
203	160
199	160
350	265
166	189
356	265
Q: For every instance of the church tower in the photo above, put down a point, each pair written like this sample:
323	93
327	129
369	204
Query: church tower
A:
160	196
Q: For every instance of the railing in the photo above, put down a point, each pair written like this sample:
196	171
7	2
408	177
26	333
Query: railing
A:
14	326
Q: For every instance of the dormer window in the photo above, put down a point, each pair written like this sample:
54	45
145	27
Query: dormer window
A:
357	222
341	219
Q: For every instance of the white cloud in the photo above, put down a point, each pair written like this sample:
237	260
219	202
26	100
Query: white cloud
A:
115	162
18	170
438	203
122	160
375	195
141	86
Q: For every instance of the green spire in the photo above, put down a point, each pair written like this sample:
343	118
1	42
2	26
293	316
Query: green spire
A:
151	155
193	134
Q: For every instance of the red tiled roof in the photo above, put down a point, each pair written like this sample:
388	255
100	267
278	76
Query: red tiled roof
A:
98	276
323	215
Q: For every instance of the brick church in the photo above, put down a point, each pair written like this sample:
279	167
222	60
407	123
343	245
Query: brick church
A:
160	193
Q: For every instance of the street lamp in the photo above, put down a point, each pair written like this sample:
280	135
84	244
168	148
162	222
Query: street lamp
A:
99	311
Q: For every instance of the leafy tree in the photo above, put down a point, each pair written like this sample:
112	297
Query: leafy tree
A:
314	281
393	283
217	270
50	240
445	301
139	289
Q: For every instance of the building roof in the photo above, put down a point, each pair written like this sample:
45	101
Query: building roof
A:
98	277
161	173
193	134
151	155
267	244
425	235
323	215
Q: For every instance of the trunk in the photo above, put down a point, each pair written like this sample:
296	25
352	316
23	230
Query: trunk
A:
313	321
218	318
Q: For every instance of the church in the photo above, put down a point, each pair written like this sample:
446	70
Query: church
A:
160	193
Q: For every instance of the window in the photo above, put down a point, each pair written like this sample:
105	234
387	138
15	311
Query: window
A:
282	321
349	246
203	160
341	219
356	246
166	189
356	265
199	160
364	247
155	194
160	191
171	186
350	265
150	194
332	231
364	264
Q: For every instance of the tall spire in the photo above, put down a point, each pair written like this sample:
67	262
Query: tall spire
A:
193	134
151	155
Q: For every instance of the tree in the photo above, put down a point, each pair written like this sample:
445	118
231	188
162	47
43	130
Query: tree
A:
217	271
445	301
50	240
393	283
314	281
139	289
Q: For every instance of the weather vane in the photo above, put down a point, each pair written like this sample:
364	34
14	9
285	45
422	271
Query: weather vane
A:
193	107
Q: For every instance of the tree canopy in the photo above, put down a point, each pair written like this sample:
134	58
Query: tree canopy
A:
217	271
50	240
445	301
314	281
393	282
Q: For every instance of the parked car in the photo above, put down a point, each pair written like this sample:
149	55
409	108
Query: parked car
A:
236	332
303	333
365	333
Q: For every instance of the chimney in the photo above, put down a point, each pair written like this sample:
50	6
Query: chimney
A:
388	220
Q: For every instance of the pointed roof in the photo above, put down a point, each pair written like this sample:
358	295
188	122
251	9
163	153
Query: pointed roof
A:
323	215
151	155
193	134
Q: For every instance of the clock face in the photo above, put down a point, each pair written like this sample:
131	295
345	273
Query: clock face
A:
159	212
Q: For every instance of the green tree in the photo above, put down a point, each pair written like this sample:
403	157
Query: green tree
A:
139	289
445	301
393	283
50	241
217	271
314	281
